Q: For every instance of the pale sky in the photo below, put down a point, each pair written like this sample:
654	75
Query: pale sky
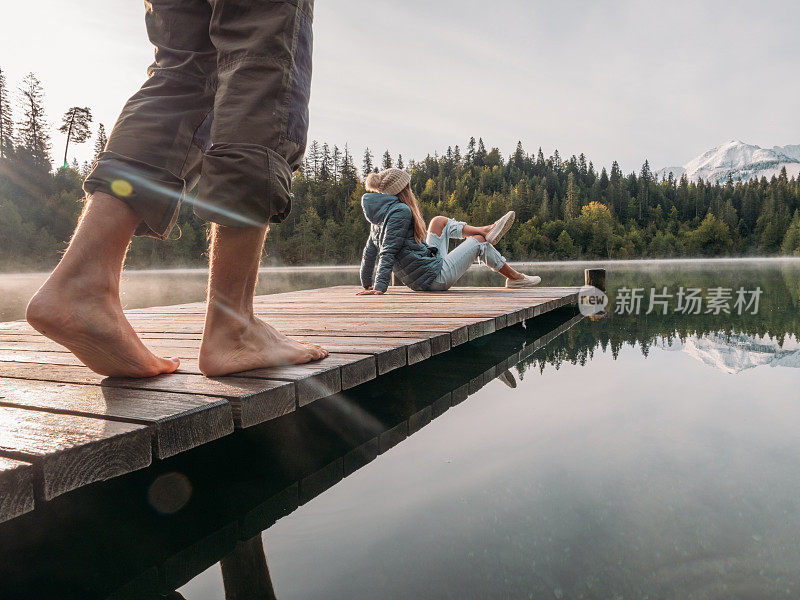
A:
622	80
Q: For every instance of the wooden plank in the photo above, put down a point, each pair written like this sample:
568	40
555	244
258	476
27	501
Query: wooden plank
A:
252	401
179	421
457	334
391	353
70	451
16	488
313	380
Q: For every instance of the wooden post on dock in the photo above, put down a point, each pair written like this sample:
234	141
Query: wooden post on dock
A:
596	278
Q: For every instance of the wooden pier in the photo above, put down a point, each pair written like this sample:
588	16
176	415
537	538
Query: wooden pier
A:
279	466
63	427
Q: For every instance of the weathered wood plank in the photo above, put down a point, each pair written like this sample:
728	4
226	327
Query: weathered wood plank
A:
313	380
179	421
252	401
70	451
16	488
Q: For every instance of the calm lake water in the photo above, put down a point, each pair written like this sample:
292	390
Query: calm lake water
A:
638	456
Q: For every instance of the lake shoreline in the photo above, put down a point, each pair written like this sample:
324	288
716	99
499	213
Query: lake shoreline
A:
524	263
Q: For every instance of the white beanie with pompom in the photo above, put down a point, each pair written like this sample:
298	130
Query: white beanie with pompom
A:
389	181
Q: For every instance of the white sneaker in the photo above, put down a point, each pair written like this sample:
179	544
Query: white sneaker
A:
526	282
501	227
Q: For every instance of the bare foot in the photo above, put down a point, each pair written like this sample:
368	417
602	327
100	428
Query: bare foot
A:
232	344
92	326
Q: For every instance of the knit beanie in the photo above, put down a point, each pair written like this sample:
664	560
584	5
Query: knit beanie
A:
389	181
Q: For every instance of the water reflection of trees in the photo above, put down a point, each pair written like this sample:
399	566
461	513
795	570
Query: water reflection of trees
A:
778	316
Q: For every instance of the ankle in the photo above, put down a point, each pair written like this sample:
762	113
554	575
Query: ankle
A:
86	279
235	321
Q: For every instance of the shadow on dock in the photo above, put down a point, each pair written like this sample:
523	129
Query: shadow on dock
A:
148	533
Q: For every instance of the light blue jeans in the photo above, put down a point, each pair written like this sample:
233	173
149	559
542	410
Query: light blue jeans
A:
456	263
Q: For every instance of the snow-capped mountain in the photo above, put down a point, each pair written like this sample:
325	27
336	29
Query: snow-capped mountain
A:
740	161
736	353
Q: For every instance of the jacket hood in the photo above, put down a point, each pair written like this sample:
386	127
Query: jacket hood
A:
376	206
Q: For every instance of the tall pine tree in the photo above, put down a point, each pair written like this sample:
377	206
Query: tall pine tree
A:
32	134
6	120
75	125
366	166
102	140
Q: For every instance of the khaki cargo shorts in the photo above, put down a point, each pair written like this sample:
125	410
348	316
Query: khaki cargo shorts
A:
224	112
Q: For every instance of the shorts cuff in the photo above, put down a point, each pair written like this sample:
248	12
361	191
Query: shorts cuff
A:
153	193
244	185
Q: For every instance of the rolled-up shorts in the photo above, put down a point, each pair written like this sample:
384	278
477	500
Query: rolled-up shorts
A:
223	113
458	262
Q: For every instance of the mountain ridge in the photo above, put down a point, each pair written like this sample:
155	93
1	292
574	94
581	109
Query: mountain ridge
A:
738	160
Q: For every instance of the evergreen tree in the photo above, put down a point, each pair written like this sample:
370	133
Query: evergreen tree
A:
556	160
572	203
791	241
544	209
565	247
400	164
32	134
336	157
75	125
102	140
6	120
387	160
314	158
540	158
645	176
325	163
349	176
367	164
518	159
470	156
480	153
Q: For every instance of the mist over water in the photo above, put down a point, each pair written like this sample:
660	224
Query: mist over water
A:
159	287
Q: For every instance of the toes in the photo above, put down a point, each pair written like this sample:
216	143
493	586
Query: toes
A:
169	365
318	353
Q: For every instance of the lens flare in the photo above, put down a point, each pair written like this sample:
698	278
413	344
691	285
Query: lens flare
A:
147	185
120	187
169	493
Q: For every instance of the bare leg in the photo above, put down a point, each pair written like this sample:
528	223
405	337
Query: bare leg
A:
234	339
79	306
506	271
438	224
510	273
469	230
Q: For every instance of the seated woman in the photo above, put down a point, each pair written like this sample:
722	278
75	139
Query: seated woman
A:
420	260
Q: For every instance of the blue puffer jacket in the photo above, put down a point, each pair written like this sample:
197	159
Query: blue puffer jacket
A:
391	241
